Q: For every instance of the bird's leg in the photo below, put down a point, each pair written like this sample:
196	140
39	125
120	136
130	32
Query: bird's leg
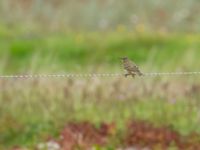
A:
133	75
127	74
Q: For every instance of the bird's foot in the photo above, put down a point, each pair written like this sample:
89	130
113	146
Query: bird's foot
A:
126	75
129	74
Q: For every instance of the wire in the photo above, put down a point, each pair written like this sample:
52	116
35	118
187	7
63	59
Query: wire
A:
150	74
171	73
62	75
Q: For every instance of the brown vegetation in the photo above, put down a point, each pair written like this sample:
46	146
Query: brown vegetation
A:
139	134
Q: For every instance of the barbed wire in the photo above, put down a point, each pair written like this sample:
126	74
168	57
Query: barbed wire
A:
90	75
172	73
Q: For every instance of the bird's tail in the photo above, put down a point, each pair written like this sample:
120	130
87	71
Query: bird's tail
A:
140	74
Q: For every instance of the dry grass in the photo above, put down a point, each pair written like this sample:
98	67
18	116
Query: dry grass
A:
27	103
59	15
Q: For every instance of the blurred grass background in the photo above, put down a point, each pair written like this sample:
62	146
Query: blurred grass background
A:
102	15
89	36
80	51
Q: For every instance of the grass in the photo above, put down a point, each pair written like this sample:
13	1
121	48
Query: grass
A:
53	15
32	110
79	50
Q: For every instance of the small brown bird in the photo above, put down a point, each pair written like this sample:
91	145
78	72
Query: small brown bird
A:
131	68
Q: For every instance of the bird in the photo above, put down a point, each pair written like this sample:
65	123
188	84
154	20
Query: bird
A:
131	68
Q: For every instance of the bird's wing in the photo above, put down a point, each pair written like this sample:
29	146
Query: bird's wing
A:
134	66
135	69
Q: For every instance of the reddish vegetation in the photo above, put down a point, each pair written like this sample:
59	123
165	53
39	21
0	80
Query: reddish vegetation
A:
85	135
139	134
143	134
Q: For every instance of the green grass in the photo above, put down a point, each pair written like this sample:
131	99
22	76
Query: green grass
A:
72	51
30	111
33	127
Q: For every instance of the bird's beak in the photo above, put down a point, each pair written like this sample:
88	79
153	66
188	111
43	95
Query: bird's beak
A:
121	57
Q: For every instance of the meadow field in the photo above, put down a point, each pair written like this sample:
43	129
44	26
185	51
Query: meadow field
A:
33	110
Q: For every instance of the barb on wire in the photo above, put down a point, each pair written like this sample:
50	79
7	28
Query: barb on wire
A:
90	75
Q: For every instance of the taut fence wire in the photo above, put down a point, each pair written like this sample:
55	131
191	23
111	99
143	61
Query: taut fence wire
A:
91	75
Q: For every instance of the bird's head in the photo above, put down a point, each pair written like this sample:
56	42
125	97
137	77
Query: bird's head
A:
124	58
